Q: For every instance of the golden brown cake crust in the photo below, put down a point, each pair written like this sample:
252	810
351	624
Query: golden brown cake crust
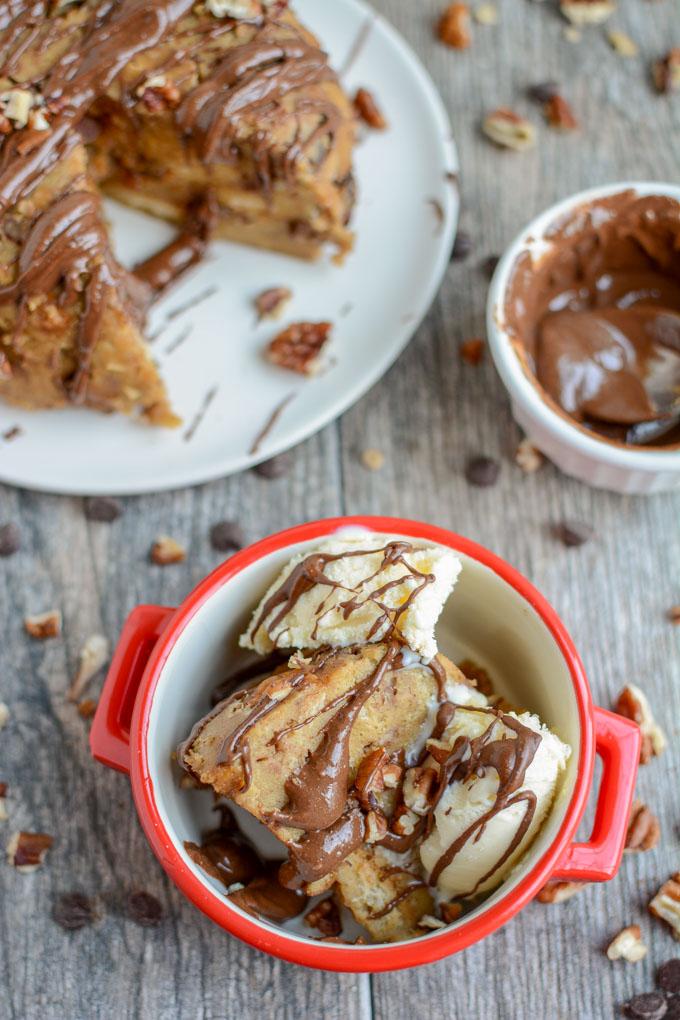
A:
160	102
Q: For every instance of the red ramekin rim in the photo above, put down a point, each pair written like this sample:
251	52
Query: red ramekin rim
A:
337	957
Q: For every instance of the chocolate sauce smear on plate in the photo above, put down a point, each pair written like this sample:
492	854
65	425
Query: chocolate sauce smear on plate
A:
596	318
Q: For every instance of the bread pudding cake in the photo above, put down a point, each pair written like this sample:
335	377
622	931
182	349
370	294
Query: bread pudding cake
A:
387	776
222	116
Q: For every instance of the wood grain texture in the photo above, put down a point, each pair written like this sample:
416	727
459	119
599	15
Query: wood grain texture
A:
427	415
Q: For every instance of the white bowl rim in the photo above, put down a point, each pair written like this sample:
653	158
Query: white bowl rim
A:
509	367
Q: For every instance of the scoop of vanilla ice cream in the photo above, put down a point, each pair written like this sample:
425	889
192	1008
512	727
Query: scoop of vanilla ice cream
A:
464	803
349	614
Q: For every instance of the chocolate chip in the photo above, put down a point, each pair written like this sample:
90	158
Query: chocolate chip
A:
573	533
144	909
482	471
227	536
668	976
488	265
543	91
75	910
275	467
650	1006
103	508
10	539
462	246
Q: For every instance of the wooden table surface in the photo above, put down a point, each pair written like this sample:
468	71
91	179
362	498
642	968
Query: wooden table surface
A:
427	415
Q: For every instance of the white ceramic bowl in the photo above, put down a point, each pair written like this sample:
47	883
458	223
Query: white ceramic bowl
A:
576	452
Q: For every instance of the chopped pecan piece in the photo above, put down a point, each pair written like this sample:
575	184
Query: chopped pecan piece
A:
166	550
451	912
75	910
269	304
3	802
26	850
86	708
622	43
298	348
666	76
418	788
44	625
557	891
559	114
158	94
674	614
368	110
472	351
486	14
633	704
325	917
373	459
666	904
93	656
507	129
527	457
587	12
454	26
369	778
644	830
404	821
376	827
628	945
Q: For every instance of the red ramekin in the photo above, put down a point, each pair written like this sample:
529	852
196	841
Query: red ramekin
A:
119	738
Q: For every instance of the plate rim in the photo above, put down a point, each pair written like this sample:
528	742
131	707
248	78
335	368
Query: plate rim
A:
188	478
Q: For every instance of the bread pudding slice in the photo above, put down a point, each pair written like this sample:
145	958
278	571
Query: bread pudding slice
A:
316	754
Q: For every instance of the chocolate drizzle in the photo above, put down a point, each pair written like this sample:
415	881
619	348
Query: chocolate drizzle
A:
311	571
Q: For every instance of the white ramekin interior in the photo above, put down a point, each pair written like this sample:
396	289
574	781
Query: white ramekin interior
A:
485	620
525	393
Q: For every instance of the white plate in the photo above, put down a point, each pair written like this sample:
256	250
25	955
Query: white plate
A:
405	222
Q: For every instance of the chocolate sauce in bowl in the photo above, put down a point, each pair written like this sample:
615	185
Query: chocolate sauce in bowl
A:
596	317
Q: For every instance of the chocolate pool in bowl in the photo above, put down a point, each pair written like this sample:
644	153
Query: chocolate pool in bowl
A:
594	314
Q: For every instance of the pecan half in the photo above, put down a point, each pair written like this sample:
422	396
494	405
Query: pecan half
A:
633	704
26	850
368	110
587	12
44	625
666	77
644	830
298	348
558	892
559	114
325	917
166	550
507	129
454	26
627	945
666	904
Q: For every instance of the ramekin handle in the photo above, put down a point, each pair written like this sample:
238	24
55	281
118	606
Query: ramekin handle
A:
617	742
110	732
